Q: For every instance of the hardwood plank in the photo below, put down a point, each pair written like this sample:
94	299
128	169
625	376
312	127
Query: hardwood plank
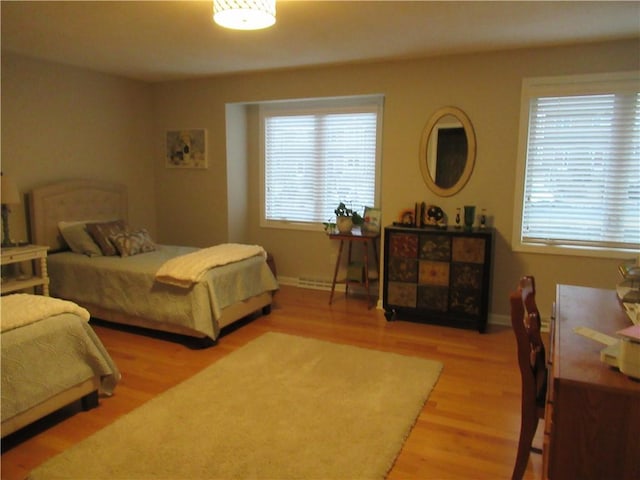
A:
468	428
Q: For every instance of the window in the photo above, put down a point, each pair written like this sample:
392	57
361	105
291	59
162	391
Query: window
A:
579	166
316	154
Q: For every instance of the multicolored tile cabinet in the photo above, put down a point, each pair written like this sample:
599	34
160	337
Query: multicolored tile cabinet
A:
438	276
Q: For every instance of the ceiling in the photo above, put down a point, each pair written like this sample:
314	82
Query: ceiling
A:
164	40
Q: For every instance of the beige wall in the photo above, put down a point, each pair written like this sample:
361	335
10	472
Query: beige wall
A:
60	123
485	86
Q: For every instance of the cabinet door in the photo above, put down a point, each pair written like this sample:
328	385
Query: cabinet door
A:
402	269
403	245
433	298
468	250
467	273
435	247
401	294
434	272
466	288
402	262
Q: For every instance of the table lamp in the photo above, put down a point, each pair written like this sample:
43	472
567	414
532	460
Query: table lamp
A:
10	196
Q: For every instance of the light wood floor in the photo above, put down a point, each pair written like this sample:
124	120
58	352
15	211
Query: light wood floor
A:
467	430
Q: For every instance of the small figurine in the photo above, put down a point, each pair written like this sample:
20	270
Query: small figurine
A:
457	218
406	217
435	217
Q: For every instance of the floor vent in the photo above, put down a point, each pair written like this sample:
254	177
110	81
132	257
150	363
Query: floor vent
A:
314	283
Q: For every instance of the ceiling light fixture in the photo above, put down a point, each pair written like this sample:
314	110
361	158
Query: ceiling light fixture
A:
244	14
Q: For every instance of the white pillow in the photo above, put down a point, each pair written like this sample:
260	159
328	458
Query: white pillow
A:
78	239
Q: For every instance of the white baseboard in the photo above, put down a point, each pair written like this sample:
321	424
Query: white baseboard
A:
325	285
497	319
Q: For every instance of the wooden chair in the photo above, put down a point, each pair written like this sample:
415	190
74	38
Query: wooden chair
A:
525	320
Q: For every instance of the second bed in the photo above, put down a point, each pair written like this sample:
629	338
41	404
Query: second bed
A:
123	288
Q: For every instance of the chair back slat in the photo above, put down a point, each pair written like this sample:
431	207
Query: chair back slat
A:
526	324
534	326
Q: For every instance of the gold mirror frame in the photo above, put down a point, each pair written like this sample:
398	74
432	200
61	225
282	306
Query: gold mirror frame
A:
424	150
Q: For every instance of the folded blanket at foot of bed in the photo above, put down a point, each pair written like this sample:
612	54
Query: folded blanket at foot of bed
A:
185	270
21	309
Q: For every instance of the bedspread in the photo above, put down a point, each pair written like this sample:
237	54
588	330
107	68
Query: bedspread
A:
128	284
48	357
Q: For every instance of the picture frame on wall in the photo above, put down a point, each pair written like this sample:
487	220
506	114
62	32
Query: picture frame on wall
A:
186	148
372	220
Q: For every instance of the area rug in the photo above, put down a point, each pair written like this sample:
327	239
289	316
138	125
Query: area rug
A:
281	407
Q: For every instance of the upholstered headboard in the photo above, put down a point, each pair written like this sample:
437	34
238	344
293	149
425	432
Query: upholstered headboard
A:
73	200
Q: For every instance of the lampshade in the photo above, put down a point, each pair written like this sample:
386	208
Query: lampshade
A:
244	14
9	191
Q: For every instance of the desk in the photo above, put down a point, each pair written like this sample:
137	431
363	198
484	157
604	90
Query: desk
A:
592	419
363	238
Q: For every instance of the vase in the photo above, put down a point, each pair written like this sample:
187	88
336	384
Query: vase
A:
344	224
469	216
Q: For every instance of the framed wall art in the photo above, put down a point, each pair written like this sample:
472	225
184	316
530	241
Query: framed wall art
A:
372	219
186	148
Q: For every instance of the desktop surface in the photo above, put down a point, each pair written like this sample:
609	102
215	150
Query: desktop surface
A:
600	310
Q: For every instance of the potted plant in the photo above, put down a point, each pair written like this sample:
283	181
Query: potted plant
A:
346	218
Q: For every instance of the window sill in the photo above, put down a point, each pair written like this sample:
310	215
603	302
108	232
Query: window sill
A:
575	251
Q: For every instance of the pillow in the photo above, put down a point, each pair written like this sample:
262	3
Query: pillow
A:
133	243
78	239
100	232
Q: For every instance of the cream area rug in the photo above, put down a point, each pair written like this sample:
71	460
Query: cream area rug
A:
280	407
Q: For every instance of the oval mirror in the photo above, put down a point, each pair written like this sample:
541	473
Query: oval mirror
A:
447	151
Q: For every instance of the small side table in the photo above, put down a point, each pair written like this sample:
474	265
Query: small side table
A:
40	277
363	238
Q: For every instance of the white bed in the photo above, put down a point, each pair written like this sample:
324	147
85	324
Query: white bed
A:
51	357
199	311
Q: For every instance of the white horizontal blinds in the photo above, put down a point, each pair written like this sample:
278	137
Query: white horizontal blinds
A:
290	167
582	183
314	161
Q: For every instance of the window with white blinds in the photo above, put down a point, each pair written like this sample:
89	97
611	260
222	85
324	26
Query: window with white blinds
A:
581	178
317	154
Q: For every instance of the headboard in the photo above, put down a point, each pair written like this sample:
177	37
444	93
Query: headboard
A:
73	200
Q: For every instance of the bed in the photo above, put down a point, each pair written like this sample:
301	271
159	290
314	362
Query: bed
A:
51	357
124	288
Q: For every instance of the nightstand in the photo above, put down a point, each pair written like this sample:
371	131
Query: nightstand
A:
37	254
